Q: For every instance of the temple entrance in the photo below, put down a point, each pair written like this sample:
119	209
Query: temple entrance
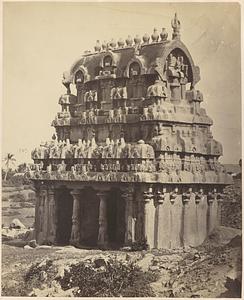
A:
89	219
64	216
115	219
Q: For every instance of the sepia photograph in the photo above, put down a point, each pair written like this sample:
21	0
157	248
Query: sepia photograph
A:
121	149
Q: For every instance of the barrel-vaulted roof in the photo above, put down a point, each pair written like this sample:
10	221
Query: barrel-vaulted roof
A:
150	56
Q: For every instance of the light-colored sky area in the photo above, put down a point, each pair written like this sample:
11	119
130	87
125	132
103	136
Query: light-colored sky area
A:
41	40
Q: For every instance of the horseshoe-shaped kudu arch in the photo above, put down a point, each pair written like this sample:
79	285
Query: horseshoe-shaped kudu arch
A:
133	158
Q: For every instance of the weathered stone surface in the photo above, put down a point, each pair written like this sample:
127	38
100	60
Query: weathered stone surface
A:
136	132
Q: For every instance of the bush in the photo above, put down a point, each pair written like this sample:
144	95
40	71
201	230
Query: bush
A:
114	279
140	245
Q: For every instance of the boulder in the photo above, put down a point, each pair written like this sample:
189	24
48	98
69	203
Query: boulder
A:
27	247
17	224
32	243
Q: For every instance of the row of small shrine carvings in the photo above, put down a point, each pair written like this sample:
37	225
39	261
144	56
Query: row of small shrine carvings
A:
121	149
91	118
167	163
182	177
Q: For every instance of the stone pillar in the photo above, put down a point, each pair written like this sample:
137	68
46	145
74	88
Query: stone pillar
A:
52	216
102	240
186	197
75	231
220	201
211	218
160	196
41	217
129	222
45	216
148	235
37	215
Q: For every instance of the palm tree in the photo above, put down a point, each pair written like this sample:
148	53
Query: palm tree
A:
9	160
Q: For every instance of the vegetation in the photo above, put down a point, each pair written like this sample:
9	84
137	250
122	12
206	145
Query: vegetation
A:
9	161
111	278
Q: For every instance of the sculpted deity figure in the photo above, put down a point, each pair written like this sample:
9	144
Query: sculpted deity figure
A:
111	150
187	166
110	115
117	93
49	168
158	90
145	113
117	166
202	164
107	141
119	114
89	166
73	171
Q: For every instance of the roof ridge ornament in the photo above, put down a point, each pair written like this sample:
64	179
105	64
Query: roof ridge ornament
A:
175	23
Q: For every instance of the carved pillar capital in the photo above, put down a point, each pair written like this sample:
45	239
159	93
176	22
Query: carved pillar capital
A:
148	195
102	194
160	196
212	196
75	193
51	192
199	196
220	197
173	195
187	196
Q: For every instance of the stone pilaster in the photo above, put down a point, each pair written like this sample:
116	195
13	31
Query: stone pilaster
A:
129	222
75	231
186	197
52	216
220	201
160	197
211	218
45	215
148	235
173	195
102	240
37	215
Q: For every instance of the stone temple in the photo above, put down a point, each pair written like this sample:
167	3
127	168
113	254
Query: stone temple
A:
133	159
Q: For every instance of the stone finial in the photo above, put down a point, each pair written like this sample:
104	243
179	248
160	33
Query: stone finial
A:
67	81
121	43
146	38
164	35
112	43
104	45
129	41
137	40
175	23
155	35
98	46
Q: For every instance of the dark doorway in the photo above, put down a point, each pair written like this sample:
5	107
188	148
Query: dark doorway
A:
64	214
89	217
116	218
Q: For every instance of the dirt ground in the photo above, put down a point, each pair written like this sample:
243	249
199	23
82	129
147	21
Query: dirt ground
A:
212	270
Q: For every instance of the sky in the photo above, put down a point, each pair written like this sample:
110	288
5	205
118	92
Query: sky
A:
41	40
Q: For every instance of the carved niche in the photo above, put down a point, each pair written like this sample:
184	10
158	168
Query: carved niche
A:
178	72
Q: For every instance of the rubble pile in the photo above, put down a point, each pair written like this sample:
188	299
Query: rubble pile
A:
207	271
231	207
